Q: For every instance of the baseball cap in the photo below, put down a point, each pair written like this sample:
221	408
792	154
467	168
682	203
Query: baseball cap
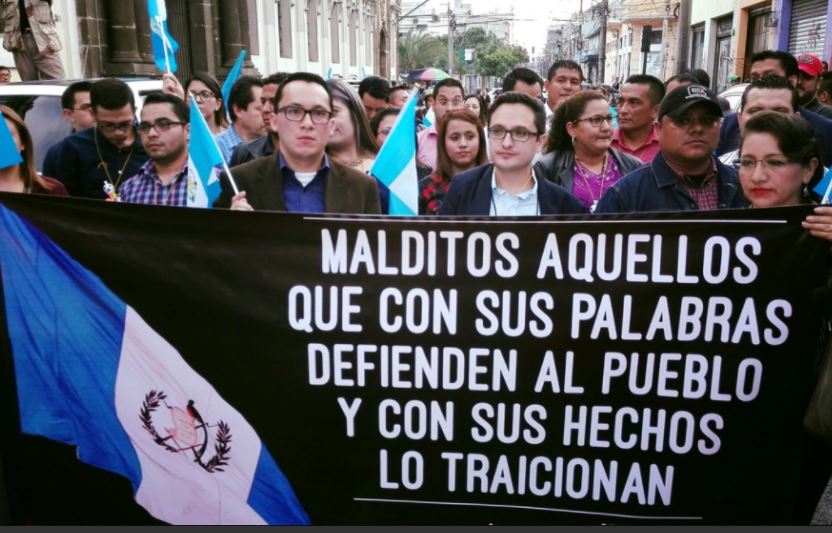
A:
682	98
810	64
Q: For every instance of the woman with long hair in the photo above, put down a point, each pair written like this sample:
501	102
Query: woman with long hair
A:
460	147
23	177
578	156
206	91
352	142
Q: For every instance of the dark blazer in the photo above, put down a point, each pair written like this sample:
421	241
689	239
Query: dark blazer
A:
245	152
470	194
347	190
559	167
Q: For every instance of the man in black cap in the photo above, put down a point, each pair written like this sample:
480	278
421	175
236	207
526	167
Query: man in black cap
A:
684	176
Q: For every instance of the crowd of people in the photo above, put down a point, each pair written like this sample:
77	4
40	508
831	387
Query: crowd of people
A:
297	142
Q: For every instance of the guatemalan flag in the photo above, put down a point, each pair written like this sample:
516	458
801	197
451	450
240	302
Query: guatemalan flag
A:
164	47
204	162
395	165
92	374
234	74
9	154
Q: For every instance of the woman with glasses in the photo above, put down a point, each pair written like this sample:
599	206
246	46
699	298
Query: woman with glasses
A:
206	91
779	159
578	155
352	143
23	177
460	147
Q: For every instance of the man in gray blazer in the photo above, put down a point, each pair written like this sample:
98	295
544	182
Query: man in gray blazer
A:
300	178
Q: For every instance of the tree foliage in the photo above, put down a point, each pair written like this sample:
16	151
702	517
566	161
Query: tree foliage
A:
420	50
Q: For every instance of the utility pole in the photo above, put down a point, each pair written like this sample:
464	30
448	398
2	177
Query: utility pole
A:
683	36
451	26
602	51
665	30
580	44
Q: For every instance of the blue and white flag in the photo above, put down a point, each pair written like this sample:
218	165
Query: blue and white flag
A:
93	374
9	154
164	47
395	165
204	162
233	75
328	75
824	187
429	118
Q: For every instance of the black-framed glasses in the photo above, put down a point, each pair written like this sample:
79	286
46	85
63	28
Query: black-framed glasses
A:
499	133
202	95
596	120
160	125
295	113
112	127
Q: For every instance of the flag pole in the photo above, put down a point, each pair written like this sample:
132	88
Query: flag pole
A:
825	199
165	45
224	163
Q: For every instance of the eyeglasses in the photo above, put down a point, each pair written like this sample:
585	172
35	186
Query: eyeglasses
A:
160	125
83	107
748	164
596	120
297	114
110	127
202	95
519	134
706	121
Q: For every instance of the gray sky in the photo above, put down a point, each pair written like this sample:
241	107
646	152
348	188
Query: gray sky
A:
532	17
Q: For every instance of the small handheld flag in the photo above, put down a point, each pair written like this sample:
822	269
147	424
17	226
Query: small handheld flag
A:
395	165
204	162
164	47
824	187
9	154
233	75
429	118
328	75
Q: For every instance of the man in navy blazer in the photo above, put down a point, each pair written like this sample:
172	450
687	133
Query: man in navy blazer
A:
508	186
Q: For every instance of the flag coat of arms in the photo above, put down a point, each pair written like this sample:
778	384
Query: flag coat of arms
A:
164	47
91	373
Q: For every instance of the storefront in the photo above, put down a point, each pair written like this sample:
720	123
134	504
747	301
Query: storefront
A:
807	29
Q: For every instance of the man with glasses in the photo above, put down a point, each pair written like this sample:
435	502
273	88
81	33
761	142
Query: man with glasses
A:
448	94
508	186
684	176
300	178
93	163
164	129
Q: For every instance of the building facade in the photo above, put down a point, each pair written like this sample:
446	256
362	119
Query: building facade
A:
349	38
725	35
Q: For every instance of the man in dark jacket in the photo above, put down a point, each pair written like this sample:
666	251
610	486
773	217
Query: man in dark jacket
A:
509	186
776	63
684	176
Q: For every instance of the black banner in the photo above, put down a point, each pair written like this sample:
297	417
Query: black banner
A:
650	369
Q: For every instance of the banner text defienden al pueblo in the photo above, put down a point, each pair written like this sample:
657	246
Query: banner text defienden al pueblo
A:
591	370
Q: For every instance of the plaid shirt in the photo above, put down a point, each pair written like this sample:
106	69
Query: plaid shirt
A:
146	188
432	191
706	195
